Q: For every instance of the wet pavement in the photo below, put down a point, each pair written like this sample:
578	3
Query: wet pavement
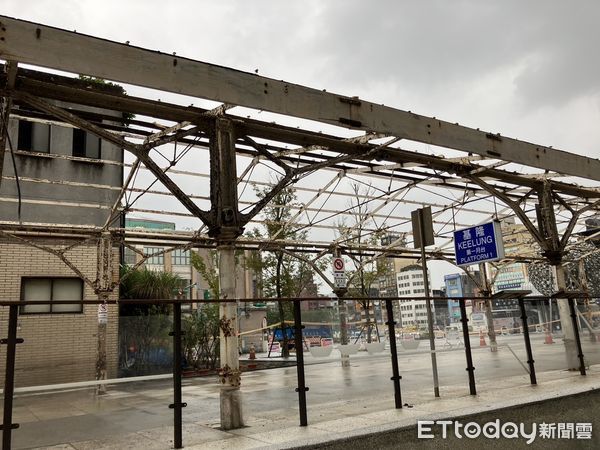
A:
340	400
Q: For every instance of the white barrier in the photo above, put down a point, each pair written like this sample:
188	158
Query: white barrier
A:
348	349
375	347
321	352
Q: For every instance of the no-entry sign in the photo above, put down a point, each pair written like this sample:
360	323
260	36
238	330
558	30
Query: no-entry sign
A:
338	265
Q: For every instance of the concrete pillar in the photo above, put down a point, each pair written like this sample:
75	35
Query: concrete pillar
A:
565	320
489	315
490	324
343	328
230	376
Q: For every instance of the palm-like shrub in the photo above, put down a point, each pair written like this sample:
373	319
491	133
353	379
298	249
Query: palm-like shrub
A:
144	342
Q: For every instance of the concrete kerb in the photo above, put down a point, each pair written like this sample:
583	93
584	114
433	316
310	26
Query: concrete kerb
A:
395	421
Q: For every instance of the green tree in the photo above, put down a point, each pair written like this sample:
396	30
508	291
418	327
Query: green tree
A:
364	273
208	270
201	338
279	274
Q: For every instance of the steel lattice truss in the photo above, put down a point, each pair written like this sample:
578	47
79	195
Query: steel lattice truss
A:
340	153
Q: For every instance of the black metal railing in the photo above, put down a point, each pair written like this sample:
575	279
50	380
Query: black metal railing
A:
12	340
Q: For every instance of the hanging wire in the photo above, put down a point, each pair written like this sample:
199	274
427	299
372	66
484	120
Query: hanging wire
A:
495	208
453	218
14	163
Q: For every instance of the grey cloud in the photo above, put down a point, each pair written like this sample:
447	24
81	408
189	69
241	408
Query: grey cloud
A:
430	45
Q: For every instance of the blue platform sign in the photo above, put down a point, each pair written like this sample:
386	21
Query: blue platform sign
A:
478	244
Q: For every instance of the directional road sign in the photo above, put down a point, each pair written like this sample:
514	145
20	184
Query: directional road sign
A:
481	243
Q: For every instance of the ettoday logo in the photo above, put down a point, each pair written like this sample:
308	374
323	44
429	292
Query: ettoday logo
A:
426	429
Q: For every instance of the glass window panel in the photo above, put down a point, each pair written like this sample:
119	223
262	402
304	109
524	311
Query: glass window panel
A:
78	142
37	290
24	138
66	289
92	146
154	260
129	256
40	137
181	257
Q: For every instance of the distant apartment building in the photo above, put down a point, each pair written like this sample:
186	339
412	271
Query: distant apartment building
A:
193	284
311	290
70	177
179	262
411	284
460	285
514	276
388	285
440	307
517	241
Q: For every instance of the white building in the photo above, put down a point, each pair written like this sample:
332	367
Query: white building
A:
411	284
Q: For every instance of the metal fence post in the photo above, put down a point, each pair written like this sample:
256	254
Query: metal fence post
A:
301	389
530	360
392	336
577	338
9	376
467	339
177	404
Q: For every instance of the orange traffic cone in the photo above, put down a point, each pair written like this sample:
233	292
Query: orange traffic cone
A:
482	342
548	339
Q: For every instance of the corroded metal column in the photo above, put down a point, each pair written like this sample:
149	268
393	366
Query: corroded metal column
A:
229	375
226	227
103	288
554	252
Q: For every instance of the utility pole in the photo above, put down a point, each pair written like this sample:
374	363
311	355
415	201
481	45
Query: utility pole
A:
422	226
486	292
340	292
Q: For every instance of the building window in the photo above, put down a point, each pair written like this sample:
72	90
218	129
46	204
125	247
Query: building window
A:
52	290
181	257
33	137
129	256
85	145
157	260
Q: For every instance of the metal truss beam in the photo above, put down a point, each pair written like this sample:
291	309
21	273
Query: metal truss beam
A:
46	46
65	89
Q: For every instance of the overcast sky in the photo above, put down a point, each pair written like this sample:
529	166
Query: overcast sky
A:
526	69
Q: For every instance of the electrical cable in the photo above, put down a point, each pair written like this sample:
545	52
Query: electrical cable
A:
14	163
